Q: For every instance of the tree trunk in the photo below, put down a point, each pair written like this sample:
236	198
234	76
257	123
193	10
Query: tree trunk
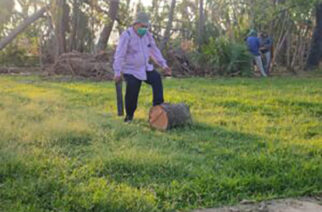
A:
169	26
201	24
316	47
5	41
252	14
167	116
61	26
105	34
74	26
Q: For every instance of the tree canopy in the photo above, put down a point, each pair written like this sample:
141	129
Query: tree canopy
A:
94	25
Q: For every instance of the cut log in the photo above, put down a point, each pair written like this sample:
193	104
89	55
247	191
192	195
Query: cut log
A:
167	116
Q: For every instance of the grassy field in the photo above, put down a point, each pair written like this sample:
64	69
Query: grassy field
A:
63	149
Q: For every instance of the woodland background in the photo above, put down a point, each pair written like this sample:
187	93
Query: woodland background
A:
198	37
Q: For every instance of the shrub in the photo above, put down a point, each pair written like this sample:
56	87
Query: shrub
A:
13	55
224	57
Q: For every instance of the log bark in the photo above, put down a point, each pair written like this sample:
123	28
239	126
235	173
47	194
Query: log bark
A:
5	41
168	116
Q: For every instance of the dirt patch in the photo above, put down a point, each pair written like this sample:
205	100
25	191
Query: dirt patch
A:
286	205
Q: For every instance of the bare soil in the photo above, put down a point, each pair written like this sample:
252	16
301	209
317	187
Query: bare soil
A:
283	205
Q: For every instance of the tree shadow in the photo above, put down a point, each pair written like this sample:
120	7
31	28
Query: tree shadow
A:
203	164
183	151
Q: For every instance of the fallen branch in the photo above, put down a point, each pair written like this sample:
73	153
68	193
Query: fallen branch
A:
14	33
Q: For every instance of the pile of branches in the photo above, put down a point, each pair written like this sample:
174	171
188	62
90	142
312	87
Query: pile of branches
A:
93	66
98	66
180	63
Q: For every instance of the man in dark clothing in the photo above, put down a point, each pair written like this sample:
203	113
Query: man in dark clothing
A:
266	44
253	44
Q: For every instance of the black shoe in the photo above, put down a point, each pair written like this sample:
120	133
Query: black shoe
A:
128	119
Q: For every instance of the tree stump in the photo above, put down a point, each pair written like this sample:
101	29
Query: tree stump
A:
167	116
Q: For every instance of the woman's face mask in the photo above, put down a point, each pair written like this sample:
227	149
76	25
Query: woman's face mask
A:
142	31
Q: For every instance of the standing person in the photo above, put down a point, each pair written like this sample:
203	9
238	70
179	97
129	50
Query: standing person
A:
266	44
135	48
253	44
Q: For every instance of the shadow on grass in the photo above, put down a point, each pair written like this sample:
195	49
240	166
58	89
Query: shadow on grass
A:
202	165
178	154
191	167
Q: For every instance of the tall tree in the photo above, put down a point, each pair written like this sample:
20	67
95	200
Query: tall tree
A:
12	35
81	36
74	26
316	47
169	25
6	9
201	25
62	21
105	34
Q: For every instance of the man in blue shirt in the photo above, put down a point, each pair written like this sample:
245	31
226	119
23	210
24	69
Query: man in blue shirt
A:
266	44
253	44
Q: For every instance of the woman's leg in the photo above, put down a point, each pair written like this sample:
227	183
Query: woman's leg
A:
133	86
154	79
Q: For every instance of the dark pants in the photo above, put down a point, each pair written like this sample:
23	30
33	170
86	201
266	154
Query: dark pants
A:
133	86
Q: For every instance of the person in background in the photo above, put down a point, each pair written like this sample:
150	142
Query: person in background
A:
266	44
253	44
134	51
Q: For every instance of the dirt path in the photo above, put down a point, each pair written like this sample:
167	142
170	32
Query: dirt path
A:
287	205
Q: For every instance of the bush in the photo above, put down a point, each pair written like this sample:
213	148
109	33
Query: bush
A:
224	57
13	55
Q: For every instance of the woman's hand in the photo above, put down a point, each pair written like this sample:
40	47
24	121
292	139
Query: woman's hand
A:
117	79
167	71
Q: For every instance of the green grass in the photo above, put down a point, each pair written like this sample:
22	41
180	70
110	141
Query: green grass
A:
63	149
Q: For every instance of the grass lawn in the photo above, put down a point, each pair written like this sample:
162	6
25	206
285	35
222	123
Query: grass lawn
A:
62	148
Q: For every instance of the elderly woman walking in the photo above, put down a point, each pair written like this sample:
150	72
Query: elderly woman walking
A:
132	59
